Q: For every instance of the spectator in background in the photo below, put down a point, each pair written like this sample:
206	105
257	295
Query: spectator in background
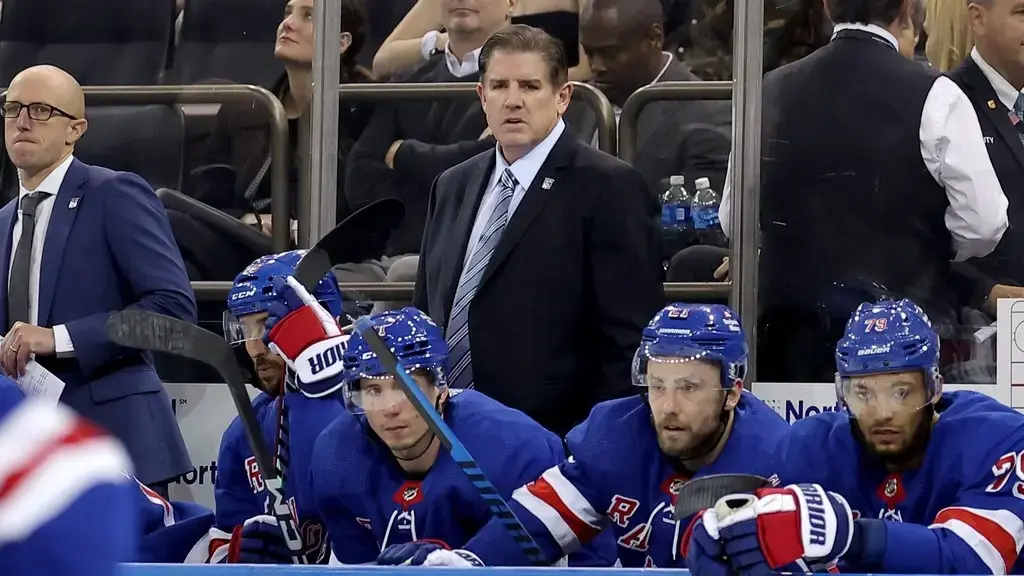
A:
874	174
236	177
992	76
950	38
623	41
84	241
541	255
422	33
408	144
910	35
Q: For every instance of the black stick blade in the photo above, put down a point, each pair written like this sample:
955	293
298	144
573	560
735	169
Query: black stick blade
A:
702	493
144	330
361	236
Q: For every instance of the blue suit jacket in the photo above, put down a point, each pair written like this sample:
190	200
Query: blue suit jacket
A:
108	247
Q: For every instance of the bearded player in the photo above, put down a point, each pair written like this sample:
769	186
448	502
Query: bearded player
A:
907	480
631	456
244	531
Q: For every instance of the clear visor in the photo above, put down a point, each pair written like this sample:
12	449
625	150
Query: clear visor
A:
240	330
364	393
866	397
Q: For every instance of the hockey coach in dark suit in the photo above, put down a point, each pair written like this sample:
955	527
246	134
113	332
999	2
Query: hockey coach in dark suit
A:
79	242
541	256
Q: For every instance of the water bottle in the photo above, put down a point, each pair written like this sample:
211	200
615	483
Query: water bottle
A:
704	214
676	223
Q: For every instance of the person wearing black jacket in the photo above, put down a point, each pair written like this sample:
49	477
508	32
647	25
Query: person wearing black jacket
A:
408	144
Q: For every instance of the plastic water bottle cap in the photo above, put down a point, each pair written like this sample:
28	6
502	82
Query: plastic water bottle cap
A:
677	180
703	183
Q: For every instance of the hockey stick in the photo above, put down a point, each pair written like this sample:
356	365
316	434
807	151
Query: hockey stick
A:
361	236
458	451
145	330
704	492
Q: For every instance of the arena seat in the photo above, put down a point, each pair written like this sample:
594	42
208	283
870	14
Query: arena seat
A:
147	140
229	40
99	42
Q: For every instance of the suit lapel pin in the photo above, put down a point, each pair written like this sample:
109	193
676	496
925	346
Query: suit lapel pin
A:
546	185
73	204
991	104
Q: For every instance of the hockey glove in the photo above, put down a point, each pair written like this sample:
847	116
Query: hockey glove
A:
799	528
258	541
701	548
427	553
307	337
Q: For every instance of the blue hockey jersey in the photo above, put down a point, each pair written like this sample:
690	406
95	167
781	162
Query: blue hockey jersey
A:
368	503
961	511
617	476
170	531
66	507
239	490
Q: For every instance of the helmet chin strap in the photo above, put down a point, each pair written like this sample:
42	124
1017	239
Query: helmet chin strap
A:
428	436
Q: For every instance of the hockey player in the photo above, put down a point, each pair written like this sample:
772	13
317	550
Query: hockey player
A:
66	507
632	455
170	530
906	480
240	496
382	477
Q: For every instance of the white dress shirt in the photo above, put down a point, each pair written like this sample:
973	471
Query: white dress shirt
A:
1006	93
525	170
953	150
50	185
469	65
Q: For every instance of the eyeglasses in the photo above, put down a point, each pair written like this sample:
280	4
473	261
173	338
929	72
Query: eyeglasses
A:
36	111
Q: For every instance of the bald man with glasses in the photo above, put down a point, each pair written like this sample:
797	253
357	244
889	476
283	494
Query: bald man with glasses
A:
80	242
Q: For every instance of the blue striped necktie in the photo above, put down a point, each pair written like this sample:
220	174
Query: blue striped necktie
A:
460	368
1018	111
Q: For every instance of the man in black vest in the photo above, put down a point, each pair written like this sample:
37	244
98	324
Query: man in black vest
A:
992	77
874	176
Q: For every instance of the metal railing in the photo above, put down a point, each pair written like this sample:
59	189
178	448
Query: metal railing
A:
212	291
628	136
220	94
662	91
586	93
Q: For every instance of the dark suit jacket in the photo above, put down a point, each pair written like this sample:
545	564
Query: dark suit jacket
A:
108	247
691	138
1004	265
565	297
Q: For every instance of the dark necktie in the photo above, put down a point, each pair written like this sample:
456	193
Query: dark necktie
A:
17	288
1018	116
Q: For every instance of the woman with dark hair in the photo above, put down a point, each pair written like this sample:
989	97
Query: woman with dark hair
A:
236	175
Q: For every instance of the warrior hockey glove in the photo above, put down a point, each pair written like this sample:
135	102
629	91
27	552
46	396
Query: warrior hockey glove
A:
307	337
701	547
427	553
799	528
258	541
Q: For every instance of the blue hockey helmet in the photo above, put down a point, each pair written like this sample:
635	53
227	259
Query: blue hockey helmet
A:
685	332
884	337
253	292
416	341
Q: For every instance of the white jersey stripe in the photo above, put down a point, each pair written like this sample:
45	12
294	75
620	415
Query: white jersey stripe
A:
572	498
53	484
550	517
996	536
31	427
